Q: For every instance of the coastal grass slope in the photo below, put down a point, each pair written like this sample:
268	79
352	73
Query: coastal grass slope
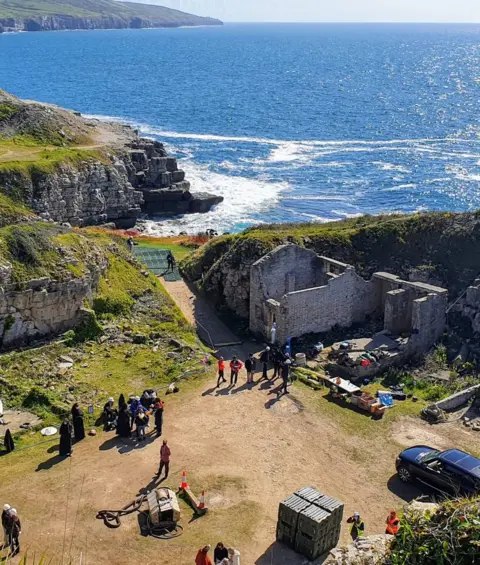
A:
82	14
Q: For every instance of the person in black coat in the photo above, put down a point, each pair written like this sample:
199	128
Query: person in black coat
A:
123	423
278	359
158	408
220	553
8	441
264	359
285	371
110	415
77	420
66	438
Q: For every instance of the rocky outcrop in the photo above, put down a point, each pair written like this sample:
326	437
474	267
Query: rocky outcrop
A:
41	307
157	176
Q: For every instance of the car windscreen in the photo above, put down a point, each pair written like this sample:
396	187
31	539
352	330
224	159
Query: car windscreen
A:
430	456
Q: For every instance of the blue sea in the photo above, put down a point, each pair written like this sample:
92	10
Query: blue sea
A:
289	122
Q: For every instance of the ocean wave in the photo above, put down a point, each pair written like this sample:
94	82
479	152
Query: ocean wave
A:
398	187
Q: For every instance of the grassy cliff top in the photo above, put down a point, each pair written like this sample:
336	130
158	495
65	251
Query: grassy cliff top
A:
99	9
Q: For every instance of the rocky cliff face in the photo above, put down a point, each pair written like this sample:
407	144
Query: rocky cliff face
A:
40	307
140	177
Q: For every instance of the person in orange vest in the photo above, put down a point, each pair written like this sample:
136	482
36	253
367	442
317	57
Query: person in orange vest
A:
235	366
393	523
221	372
202	556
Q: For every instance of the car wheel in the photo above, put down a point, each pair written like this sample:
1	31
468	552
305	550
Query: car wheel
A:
404	475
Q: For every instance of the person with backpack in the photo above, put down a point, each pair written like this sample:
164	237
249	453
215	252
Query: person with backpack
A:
235	366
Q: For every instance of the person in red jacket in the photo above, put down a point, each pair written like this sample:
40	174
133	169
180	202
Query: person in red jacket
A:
221	372
235	366
202	556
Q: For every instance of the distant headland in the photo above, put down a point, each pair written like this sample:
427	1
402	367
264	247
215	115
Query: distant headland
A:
56	15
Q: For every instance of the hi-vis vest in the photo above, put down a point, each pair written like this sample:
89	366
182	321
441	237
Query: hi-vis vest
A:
359	526
393	525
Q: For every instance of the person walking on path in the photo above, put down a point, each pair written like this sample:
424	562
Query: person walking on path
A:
221	371
6	519
202	556
357	528
14	533
285	372
265	358
393	523
65	448
250	367
130	243
77	420
235	366
170	262
164	459
158	407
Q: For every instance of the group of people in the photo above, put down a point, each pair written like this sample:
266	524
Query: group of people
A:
282	364
221	556
357	525
134	414
12	529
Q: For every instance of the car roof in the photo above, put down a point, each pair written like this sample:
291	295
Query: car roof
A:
461	460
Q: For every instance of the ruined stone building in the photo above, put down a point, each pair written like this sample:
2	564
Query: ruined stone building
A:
306	293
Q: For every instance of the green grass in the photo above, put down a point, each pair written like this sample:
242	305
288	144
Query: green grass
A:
94	9
7	110
180	252
47	161
12	211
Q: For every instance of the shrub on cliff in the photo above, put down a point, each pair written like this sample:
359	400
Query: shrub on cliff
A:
449	535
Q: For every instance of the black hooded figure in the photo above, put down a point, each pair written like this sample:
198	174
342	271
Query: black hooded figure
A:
121	402
77	419
66	438
123	422
8	440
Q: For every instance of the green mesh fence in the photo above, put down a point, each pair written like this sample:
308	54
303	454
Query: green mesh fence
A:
156	261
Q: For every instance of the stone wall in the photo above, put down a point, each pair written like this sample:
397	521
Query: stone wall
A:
305	293
470	305
346	299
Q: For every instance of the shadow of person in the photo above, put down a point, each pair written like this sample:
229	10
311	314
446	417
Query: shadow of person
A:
224	391
266	385
109	444
245	386
53	449
50	463
209	391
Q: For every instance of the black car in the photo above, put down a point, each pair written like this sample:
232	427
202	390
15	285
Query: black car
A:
451	471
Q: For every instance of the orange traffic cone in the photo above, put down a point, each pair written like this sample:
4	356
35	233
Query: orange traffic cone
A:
201	506
184	480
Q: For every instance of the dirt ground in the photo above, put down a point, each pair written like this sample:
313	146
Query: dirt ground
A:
247	448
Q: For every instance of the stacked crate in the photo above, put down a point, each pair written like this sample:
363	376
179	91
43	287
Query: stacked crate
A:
310	522
288	514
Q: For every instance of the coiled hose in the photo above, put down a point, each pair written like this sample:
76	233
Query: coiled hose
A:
163	530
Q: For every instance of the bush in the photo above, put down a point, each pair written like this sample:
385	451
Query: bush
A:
26	246
450	535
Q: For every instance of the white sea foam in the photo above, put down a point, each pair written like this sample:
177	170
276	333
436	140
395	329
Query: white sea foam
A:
244	197
398	187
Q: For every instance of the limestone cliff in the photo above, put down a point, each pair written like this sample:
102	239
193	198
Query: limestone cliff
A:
56	15
70	169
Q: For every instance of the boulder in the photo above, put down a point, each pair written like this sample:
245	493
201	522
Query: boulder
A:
203	202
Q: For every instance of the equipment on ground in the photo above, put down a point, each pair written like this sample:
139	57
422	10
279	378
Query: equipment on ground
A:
50	431
310	522
161	519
